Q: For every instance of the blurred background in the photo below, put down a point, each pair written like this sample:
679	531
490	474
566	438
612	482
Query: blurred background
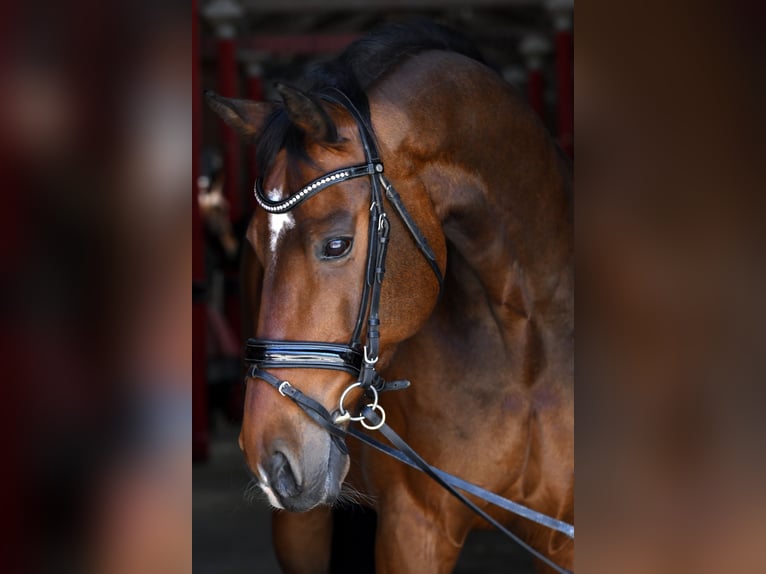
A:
243	48
95	152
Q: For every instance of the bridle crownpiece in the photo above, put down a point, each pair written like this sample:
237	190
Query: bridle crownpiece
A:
355	358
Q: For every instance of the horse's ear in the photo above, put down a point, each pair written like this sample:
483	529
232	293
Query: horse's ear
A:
245	116
307	113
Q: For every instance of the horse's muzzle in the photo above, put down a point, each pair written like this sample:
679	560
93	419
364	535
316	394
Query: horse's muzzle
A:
284	482
299	484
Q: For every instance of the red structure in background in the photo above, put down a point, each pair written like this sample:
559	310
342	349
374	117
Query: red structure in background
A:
200	427
224	15
565	90
533	48
227	87
535	84
254	88
292	44
563	13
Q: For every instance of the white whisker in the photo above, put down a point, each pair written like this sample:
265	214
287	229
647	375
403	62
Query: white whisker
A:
350	496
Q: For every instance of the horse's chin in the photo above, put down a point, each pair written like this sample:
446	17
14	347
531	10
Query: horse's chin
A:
323	487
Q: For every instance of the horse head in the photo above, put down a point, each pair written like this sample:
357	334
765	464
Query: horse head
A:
305	272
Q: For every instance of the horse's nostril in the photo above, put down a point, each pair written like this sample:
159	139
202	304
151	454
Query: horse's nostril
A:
282	477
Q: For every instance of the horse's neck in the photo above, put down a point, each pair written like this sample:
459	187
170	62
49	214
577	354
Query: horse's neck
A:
501	327
520	252
502	193
519	246
511	228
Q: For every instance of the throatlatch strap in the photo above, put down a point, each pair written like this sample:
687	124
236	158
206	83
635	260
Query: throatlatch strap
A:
395	199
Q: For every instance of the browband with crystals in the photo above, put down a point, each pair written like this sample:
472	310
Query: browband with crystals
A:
312	188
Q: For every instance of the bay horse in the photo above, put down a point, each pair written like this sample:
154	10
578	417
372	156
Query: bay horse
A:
476	309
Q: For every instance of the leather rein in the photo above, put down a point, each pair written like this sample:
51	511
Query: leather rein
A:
360	360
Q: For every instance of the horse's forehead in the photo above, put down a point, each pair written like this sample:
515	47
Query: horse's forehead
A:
324	209
288	175
274	178
277	223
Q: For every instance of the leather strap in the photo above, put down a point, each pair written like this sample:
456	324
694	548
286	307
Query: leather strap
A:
422	465
404	453
303	354
395	199
266	354
276	354
313	408
465	486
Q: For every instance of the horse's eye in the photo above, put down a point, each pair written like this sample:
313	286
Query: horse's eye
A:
336	248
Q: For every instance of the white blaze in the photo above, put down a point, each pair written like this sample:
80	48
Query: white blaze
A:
278	222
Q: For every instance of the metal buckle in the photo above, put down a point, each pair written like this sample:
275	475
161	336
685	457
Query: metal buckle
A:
384	182
367	359
282	384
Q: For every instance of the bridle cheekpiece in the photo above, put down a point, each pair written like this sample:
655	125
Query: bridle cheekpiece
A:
356	358
360	359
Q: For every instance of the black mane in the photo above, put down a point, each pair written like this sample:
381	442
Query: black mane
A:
370	57
360	65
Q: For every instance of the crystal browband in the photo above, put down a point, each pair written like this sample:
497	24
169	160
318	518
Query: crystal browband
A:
312	188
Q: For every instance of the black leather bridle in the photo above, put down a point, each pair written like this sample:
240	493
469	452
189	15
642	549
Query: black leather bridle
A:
360	359
354	357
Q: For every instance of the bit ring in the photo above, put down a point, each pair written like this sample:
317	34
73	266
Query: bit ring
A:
342	409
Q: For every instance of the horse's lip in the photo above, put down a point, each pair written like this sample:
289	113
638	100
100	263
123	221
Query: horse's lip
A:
337	469
271	495
321	492
299	504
